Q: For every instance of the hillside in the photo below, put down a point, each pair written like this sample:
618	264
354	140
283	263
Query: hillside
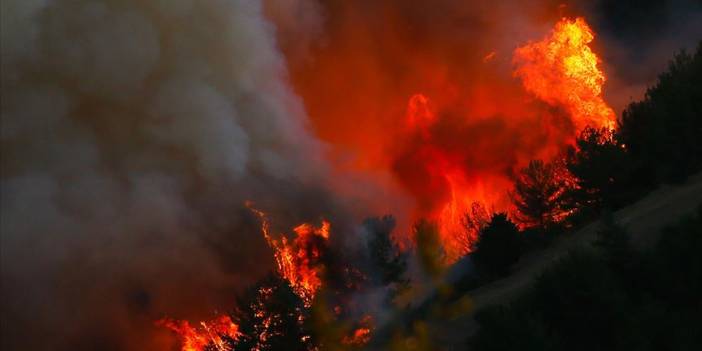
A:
643	219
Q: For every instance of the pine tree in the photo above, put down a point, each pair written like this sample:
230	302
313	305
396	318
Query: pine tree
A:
601	168
539	194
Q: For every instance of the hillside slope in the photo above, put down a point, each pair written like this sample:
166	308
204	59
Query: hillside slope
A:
643	220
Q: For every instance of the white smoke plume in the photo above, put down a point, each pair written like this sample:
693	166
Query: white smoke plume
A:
132	133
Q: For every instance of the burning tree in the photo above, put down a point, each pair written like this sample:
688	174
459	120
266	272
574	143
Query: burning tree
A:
271	316
539	194
299	259
220	334
313	280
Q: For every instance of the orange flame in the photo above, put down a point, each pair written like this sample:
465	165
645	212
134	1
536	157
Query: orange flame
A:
209	334
361	335
298	260
562	70
470	131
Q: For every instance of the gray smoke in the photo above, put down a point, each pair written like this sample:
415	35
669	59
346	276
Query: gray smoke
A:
132	133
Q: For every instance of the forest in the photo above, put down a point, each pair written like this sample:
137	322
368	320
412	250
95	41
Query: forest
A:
610	296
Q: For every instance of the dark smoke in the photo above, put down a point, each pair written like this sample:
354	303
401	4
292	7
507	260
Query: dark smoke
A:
132	134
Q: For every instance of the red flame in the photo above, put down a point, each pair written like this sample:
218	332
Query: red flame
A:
461	141
298	260
455	184
208	334
458	145
561	70
444	172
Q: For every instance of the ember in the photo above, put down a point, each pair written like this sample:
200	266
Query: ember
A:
360	335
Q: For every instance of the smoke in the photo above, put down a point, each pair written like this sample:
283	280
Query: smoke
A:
132	133
378	54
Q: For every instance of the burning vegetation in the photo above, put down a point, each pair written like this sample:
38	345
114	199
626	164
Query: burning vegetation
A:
216	335
563	72
456	188
299	259
278	311
481	127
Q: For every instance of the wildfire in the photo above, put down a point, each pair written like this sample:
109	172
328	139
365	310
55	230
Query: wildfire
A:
298	262
299	259
218	333
562	70
457	215
455	152
419	114
361	335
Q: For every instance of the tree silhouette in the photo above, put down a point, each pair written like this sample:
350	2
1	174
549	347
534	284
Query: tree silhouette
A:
601	169
474	220
662	132
586	301
539	194
498	245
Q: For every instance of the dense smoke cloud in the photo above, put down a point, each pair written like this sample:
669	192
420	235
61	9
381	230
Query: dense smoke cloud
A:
132	133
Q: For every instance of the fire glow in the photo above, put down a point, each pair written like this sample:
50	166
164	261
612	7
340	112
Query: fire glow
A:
218	333
562	71
298	259
361	335
454	182
298	262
